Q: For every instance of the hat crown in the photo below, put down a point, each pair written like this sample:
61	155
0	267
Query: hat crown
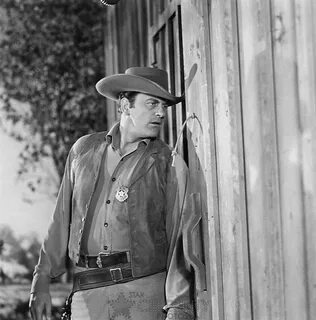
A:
156	75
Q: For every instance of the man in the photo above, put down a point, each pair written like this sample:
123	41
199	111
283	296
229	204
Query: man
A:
119	214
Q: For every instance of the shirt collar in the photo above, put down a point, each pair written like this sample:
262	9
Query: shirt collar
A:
113	137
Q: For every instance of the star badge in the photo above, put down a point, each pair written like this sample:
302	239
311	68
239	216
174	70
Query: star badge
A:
121	193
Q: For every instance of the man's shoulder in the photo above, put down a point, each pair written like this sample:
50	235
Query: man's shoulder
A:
162	147
168	153
87	142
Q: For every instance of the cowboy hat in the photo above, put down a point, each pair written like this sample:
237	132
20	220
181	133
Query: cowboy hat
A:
152	81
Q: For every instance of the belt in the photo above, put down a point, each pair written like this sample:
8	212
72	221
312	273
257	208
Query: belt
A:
96	278
103	260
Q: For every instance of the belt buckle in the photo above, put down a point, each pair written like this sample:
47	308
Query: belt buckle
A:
99	259
116	274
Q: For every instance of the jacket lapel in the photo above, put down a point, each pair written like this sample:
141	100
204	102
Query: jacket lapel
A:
146	161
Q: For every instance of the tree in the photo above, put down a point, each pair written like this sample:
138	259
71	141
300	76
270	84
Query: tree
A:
51	56
21	251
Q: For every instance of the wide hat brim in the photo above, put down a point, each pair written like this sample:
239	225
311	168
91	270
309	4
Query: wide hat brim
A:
112	86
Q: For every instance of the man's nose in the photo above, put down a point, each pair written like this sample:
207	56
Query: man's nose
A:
161	111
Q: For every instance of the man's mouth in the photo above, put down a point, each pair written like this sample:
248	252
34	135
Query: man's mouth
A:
155	123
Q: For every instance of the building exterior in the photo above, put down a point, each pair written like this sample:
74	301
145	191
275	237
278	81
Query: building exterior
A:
247	69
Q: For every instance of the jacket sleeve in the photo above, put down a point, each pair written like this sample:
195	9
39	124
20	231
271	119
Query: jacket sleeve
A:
179	277
52	259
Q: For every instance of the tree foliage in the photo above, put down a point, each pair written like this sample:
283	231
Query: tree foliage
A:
23	250
51	56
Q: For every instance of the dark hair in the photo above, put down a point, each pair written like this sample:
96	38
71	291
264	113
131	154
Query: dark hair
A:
129	95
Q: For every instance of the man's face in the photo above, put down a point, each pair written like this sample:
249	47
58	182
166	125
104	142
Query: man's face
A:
146	116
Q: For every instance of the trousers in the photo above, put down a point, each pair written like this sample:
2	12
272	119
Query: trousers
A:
141	299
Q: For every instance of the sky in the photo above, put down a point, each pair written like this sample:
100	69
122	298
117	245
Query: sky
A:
22	216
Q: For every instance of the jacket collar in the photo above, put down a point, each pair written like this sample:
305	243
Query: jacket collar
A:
113	137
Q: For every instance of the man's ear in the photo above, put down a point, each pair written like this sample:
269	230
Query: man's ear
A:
125	106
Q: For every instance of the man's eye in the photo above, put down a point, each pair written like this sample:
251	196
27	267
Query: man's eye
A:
154	104
151	103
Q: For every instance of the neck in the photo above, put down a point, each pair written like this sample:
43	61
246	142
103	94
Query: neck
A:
127	138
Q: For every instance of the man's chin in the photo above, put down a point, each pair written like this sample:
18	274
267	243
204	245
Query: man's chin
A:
152	134
154	130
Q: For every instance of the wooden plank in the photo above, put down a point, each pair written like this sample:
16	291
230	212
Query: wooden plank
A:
306	73
261	159
182	82
170	68
287	48
226	258
161	6
180	118
229	157
202	171
128	35
111	60
142	20
150	13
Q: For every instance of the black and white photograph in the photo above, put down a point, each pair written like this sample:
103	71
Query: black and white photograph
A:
157	160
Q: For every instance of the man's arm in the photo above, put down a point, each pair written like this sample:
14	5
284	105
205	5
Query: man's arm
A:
52	260
179	278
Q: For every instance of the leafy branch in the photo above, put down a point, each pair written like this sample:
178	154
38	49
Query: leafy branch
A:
51	56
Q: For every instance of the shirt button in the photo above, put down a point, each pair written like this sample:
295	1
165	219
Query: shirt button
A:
83	219
106	224
105	247
108	201
80	230
113	179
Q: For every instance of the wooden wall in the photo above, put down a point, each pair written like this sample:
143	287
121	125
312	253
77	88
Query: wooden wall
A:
254	94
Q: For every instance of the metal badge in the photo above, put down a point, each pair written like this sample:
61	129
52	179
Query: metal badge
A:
121	193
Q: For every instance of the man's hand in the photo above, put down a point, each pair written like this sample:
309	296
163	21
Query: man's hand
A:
40	304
